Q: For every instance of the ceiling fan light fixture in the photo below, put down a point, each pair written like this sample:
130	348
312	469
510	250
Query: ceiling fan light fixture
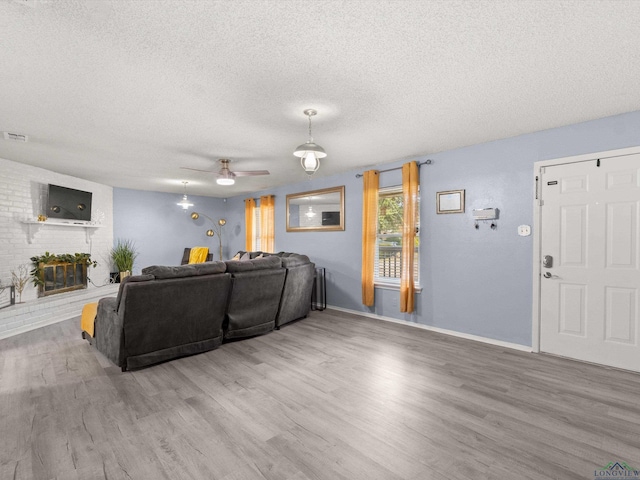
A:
310	153
225	180
225	176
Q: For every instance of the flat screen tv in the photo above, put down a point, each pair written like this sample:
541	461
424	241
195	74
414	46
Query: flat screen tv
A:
330	218
69	204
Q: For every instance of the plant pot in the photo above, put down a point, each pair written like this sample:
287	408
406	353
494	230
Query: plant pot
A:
124	275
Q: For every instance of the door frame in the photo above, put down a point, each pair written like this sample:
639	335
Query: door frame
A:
537	221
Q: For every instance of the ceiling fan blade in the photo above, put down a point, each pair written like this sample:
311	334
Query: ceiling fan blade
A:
251	173
197	170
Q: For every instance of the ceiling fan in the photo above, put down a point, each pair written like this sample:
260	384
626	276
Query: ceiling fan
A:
226	176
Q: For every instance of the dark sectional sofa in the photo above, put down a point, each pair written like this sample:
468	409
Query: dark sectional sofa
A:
170	312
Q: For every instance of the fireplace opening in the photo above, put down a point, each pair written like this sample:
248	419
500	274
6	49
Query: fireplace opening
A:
62	277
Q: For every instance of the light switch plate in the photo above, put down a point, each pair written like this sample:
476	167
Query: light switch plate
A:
524	230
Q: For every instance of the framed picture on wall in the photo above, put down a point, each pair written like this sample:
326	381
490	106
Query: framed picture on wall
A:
451	201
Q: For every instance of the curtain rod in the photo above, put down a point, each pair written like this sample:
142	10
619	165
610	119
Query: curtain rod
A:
426	162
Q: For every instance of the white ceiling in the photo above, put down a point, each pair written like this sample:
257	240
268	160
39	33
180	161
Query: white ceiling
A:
125	92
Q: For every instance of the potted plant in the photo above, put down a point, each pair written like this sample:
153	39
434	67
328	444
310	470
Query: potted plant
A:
123	255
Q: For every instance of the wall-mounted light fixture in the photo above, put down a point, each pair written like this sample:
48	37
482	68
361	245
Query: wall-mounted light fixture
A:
184	203
309	152
217	227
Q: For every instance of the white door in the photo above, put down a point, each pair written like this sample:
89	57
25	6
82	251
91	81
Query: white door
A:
589	233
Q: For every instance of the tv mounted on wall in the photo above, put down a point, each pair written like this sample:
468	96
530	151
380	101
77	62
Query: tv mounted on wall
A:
69	204
330	218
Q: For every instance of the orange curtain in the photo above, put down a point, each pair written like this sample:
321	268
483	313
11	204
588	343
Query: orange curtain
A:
369	232
249	207
410	181
267	223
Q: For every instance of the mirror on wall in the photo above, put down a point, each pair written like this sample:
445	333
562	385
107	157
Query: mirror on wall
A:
316	211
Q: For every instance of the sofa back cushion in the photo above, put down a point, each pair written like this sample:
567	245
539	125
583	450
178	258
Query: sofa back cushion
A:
207	268
294	260
265	263
130	278
162	314
253	304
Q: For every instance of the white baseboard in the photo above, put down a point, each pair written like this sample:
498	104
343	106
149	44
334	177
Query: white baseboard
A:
477	338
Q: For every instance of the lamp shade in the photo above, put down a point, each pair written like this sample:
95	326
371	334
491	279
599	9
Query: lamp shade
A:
310	147
310	155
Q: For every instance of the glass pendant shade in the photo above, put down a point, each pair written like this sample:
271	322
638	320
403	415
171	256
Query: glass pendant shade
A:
310	153
184	203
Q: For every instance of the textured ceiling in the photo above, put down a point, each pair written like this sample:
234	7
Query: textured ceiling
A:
125	92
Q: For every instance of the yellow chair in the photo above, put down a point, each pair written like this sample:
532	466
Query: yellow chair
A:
187	256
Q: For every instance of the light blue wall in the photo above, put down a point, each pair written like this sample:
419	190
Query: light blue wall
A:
474	281
160	229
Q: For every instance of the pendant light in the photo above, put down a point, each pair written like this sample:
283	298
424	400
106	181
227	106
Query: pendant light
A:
310	213
184	203
309	152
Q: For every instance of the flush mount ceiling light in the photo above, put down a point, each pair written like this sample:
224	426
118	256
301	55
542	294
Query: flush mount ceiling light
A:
309	152
184	203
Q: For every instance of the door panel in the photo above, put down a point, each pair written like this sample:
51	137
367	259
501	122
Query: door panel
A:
621	312
590	217
573	235
573	309
621	235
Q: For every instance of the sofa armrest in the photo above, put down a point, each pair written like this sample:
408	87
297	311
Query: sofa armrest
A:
109	330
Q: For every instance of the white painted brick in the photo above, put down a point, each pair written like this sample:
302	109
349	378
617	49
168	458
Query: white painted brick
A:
23	195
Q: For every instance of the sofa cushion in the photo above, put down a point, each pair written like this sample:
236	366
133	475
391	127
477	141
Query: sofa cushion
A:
294	260
207	268
242	255
131	278
234	266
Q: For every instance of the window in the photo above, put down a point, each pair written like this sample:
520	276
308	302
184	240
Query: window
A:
388	258
255	239
259	224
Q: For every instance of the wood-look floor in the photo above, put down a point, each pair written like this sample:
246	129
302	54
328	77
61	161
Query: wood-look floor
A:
332	397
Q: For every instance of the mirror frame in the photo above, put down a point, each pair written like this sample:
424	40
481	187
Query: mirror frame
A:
325	228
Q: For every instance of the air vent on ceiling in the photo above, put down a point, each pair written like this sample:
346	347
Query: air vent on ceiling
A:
15	136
